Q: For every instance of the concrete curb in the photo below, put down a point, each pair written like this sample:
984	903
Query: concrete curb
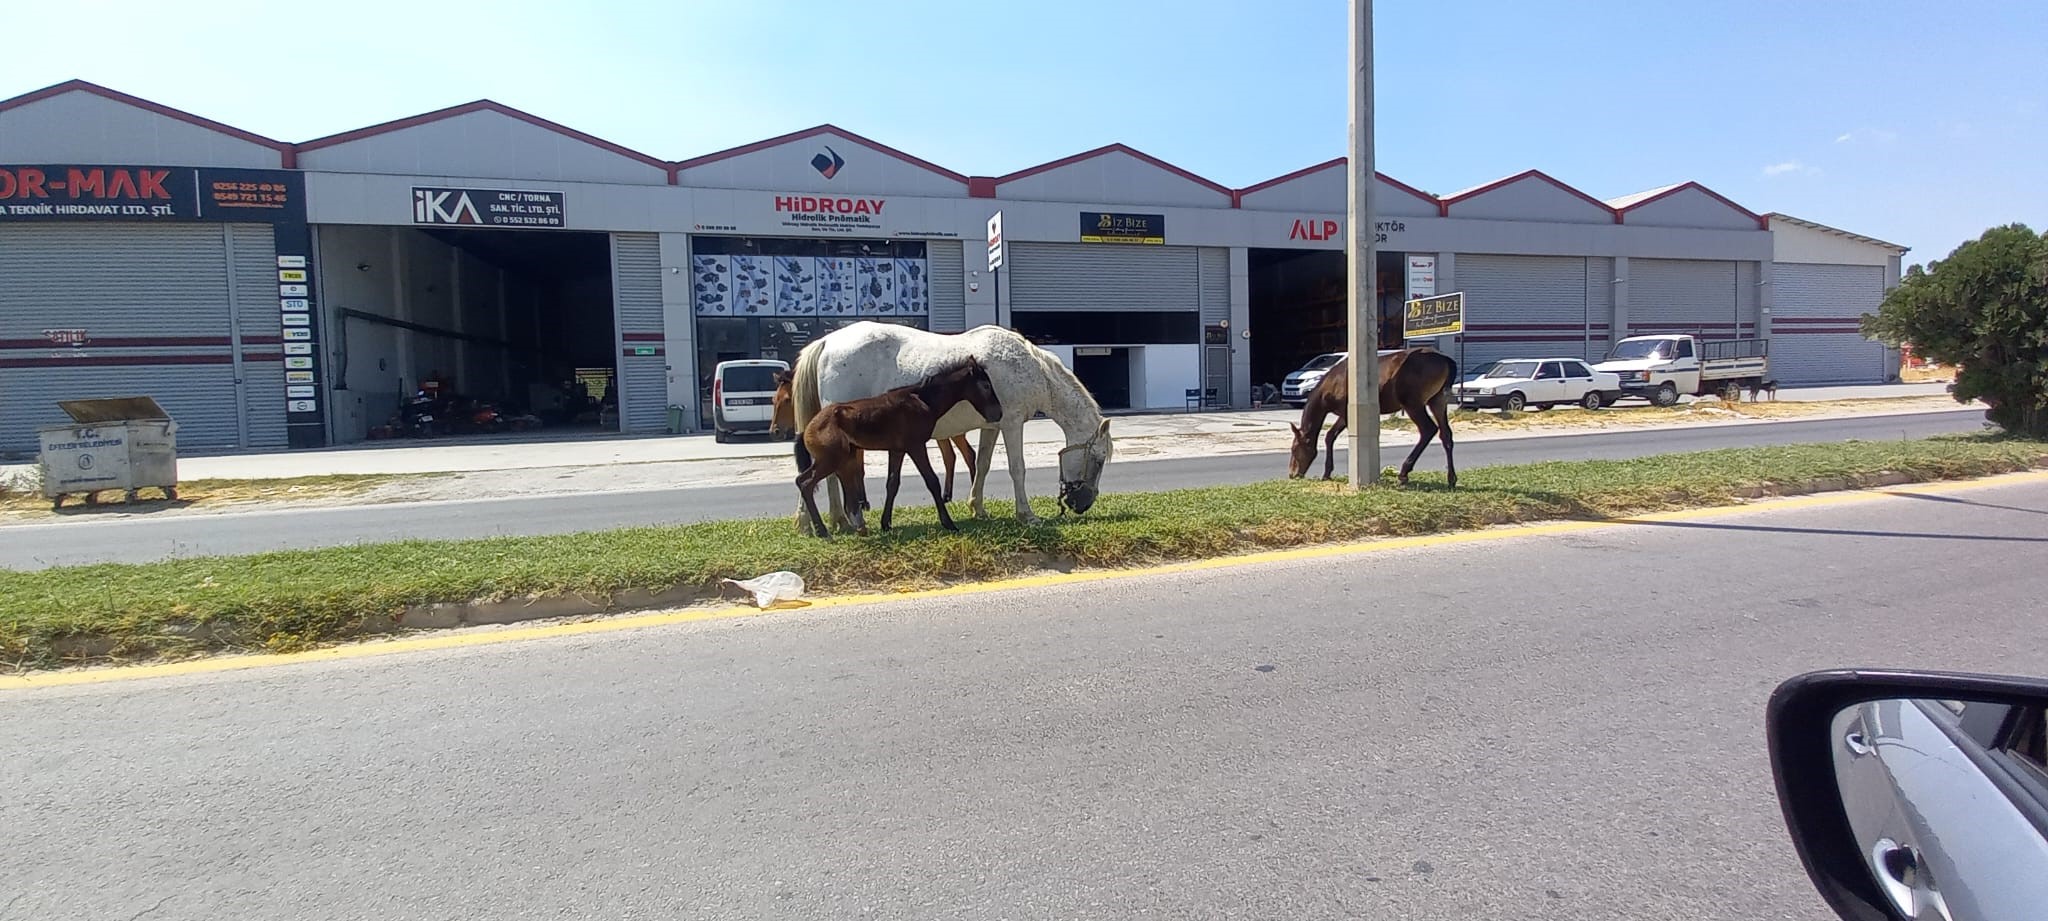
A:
453	615
517	610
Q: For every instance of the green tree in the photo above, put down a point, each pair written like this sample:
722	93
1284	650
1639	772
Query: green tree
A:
1983	311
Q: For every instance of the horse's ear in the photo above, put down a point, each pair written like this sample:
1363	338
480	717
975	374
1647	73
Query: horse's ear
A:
1104	430
1296	428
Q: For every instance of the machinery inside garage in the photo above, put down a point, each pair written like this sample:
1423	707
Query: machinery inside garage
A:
484	331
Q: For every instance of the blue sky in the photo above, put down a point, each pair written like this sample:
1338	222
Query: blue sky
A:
1912	122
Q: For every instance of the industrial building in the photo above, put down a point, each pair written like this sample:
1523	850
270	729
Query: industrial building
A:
294	294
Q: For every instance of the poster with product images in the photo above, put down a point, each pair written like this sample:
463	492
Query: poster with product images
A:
753	285
711	285
836	281
874	286
796	286
913	287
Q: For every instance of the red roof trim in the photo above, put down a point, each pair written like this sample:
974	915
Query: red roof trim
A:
481	105
81	86
1332	164
1529	174
794	136
1761	221
1104	151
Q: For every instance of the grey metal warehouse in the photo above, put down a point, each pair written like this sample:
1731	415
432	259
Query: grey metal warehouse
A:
273	294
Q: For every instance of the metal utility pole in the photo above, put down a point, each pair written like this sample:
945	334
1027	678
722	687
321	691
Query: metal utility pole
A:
1364	410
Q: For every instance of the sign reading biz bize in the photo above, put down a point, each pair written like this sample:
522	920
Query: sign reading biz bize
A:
1099	227
150	194
1442	315
487	207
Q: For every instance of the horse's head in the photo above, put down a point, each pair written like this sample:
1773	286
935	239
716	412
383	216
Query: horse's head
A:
1302	453
1081	466
782	420
981	392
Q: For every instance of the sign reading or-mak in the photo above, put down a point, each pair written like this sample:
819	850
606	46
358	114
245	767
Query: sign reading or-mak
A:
1103	227
1442	315
995	242
487	207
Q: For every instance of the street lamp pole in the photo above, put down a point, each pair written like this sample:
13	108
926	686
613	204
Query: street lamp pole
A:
1364	409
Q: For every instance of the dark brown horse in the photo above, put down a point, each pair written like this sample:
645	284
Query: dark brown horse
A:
1417	381
782	422
900	422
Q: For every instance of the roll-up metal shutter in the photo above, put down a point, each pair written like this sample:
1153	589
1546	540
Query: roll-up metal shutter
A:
636	290
1215	284
152	302
1600	304
1815	324
946	265
1748	299
1524	306
1682	296
259	328
1215	296
1100	276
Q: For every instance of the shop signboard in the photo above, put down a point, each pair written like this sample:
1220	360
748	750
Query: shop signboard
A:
515	208
1442	315
150	194
1421	276
1109	227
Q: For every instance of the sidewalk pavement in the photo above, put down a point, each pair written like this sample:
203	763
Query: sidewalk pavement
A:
524	453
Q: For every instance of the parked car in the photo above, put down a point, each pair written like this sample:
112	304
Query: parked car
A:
1295	387
1660	368
1539	383
1916	795
743	397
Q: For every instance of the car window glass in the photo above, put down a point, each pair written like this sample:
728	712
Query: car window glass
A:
1549	371
1578	369
1684	348
749	379
2029	739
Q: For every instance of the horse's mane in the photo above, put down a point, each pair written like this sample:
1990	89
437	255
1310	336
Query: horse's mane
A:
1057	370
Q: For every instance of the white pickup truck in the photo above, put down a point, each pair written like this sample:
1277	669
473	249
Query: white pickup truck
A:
1659	368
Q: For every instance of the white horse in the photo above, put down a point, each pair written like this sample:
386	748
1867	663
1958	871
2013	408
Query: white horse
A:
867	358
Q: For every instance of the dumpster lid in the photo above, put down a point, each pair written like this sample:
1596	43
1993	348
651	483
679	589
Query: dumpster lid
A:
112	409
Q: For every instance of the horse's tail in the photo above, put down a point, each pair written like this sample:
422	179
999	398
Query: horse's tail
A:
1450	378
803	390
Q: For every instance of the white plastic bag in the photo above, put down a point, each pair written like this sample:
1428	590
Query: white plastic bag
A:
772	588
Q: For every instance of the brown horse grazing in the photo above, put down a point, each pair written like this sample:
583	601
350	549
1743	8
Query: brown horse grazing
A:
782	423
1415	380
899	421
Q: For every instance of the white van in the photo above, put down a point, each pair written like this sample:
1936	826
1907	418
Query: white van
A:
743	397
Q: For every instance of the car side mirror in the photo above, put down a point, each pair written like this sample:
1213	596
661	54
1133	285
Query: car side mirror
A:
1916	795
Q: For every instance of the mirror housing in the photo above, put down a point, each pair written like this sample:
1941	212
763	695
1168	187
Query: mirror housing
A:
1981	848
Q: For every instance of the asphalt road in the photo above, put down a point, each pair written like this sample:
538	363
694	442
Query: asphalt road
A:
1408	733
139	538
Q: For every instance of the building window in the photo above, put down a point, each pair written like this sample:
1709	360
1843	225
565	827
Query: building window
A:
1086	327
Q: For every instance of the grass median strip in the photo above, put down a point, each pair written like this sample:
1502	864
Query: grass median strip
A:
289	600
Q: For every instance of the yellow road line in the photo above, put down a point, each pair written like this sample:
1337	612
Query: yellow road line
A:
486	637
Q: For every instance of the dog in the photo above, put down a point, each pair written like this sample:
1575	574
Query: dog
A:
1763	390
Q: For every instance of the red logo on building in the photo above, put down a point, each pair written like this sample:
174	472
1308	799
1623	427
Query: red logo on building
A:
1314	230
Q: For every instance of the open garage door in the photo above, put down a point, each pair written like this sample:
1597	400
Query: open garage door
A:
1816	334
521	322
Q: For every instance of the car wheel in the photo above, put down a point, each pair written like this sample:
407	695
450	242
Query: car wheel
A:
1731	392
1516	402
1592	400
719	436
1667	395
